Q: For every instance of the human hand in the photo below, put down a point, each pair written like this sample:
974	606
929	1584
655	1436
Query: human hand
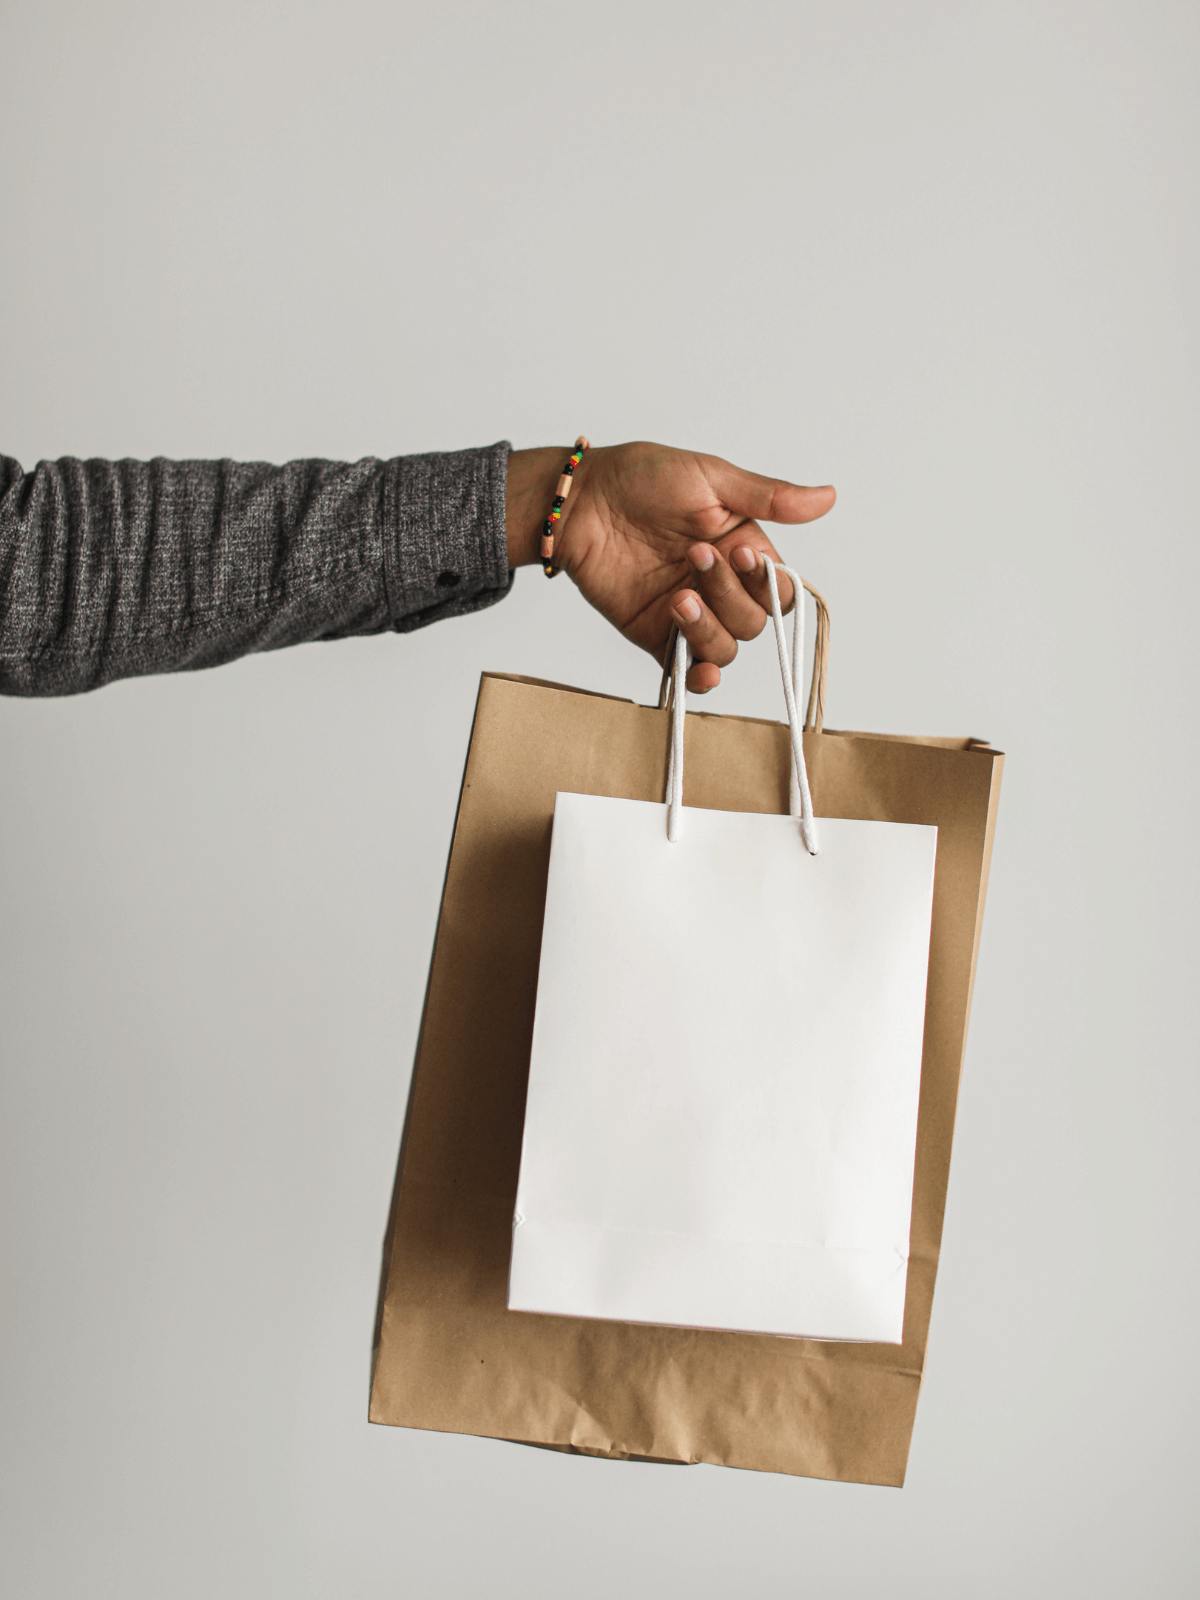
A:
654	536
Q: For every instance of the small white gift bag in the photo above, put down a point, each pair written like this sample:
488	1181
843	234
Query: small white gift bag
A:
722	1109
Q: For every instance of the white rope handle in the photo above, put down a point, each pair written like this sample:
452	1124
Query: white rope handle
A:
675	762
800	799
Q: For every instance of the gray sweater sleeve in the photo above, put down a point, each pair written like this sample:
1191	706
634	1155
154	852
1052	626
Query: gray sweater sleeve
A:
109	569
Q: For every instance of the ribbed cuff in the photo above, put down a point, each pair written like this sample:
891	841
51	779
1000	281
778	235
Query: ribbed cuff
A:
445	550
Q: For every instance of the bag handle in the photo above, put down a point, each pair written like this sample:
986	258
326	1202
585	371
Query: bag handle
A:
814	716
800	799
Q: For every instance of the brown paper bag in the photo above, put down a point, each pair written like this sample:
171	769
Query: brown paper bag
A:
449	1355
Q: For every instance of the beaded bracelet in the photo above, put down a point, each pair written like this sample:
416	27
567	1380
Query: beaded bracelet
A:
560	495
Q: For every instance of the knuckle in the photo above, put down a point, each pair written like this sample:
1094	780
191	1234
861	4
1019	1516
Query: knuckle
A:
719	579
753	626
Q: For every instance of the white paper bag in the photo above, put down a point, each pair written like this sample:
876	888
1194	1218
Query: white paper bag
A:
722	1109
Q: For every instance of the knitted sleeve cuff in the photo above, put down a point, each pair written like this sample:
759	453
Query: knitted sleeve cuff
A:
445	550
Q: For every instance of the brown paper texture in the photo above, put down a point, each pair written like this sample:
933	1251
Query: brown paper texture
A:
449	1354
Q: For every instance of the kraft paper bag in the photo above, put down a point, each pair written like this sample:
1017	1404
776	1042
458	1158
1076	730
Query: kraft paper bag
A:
449	1354
725	1139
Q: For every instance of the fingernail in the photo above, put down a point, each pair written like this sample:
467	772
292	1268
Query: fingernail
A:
701	557
688	609
745	559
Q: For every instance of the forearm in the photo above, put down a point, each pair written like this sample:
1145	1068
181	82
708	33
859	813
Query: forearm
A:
112	569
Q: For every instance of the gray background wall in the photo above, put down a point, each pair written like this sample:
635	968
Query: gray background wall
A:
942	255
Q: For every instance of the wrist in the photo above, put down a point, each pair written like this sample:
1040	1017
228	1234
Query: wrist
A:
529	489
534	479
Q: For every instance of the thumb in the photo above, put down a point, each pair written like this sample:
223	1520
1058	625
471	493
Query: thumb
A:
766	499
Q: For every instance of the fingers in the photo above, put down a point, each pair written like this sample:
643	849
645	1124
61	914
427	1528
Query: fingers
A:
733	602
742	553
747	561
767	499
739	613
711	642
703	676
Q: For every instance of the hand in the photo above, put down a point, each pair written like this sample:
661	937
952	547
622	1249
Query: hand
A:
654	536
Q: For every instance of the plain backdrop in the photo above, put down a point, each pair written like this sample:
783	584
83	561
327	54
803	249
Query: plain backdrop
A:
944	256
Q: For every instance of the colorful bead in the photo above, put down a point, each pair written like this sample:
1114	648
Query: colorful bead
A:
556	507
